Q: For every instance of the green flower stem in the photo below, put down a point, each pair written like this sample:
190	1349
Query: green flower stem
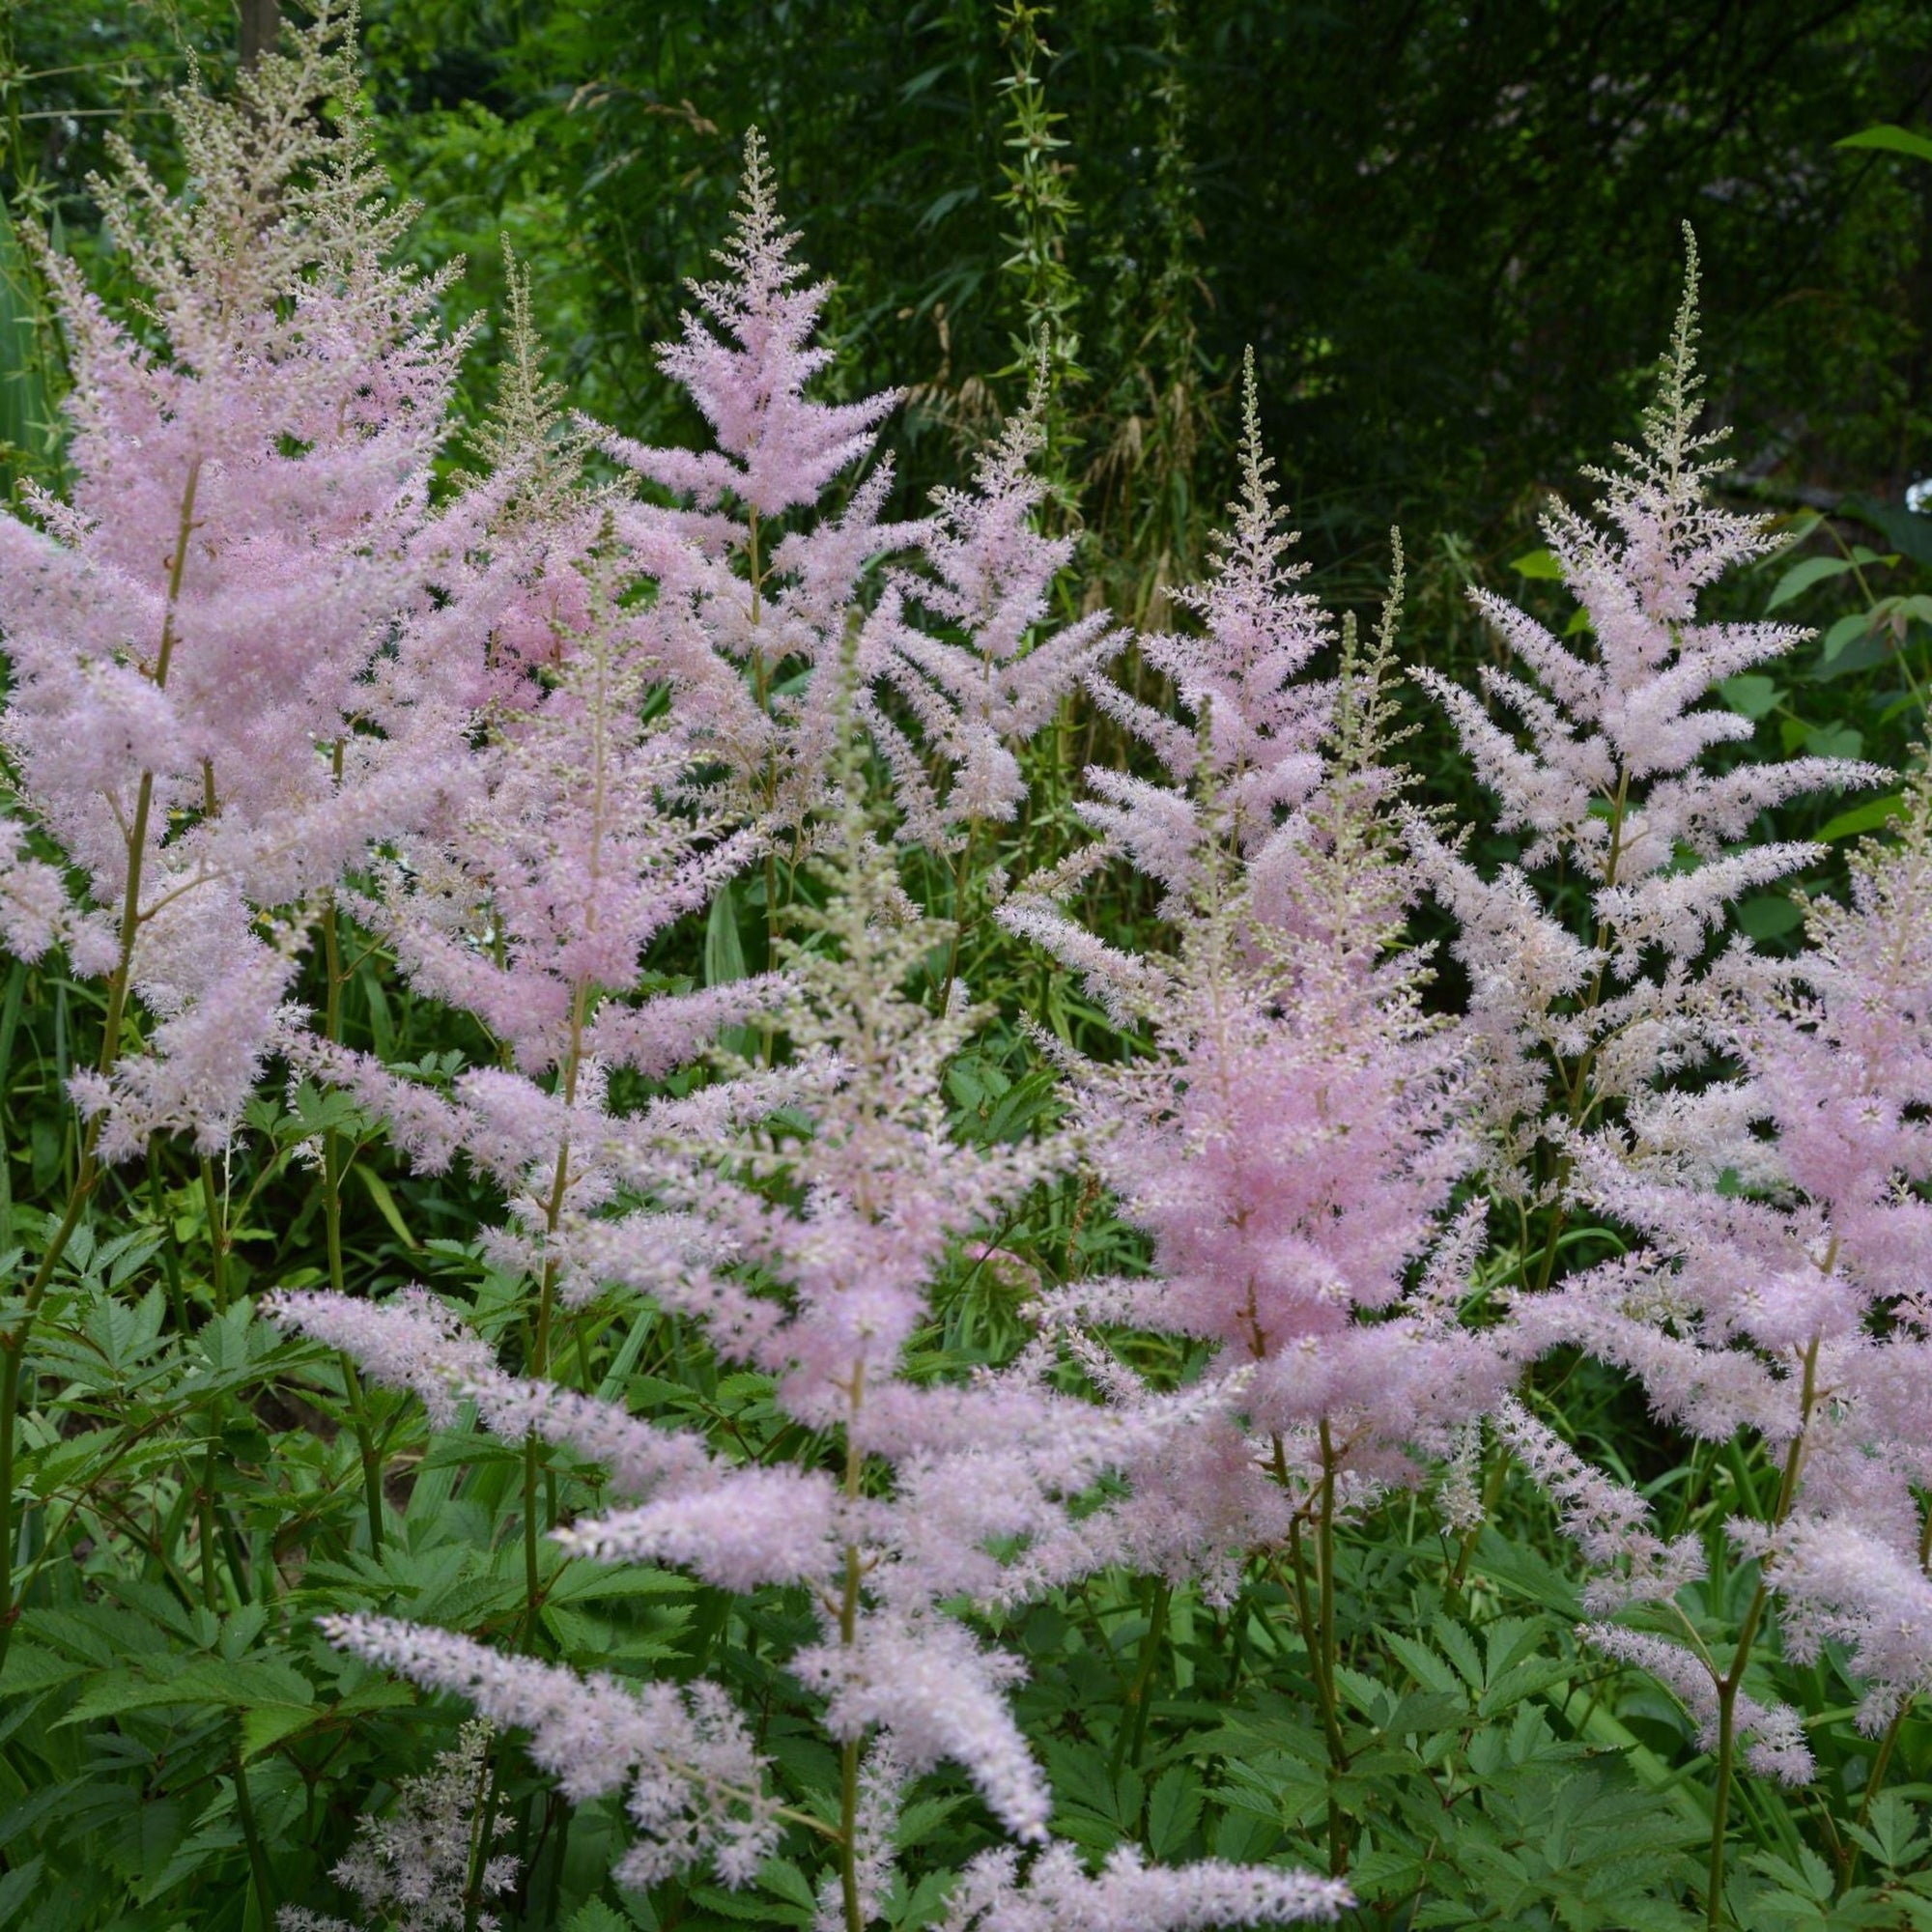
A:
1731	1681
335	1165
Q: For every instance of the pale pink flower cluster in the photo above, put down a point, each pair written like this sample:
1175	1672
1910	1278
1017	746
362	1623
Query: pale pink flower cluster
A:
760	615
190	636
693	1782
1780	1289
811	1251
1054	1894
1609	1521
806	1245
1773	1733
752	604
521	735
1292	1142
979	693
1600	767
1255	749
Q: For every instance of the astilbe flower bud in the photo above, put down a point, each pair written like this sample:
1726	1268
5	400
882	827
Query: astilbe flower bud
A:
1290	1142
1606	774
190	634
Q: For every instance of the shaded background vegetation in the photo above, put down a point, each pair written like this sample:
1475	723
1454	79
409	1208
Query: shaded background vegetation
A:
1448	230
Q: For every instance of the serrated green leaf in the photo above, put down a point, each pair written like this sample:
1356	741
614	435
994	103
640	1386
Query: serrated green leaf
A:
594	1915
783	1877
29	1668
1429	1670
1173	1811
216	1681
18	1886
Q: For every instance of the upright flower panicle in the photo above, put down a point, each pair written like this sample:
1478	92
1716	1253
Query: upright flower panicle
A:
979	692
1603	772
1290	1142
1259	720
1781	1286
192	634
758	603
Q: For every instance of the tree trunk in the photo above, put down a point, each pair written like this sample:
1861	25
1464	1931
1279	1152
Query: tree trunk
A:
261	28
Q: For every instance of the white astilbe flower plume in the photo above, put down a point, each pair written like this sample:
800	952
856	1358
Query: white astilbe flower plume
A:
409	1869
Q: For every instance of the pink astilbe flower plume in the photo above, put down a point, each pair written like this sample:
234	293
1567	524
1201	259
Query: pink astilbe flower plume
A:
808	1245
1780	1289
1290	1142
1260	719
1774	1734
191	635
1602	770
568	838
693	1781
1056	1894
981	690
760	615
